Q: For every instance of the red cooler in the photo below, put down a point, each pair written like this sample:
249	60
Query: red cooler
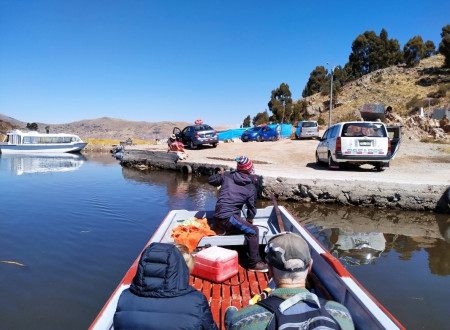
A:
216	264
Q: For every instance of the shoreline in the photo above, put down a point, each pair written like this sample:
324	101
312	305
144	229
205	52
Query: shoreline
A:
367	189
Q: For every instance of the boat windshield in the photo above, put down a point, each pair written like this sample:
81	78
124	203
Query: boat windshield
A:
48	139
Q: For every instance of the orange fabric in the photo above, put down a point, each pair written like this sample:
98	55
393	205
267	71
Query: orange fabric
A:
190	235
176	146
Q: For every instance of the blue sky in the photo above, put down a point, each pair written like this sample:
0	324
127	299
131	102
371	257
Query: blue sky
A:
64	61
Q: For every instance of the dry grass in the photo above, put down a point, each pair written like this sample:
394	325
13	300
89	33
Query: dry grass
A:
107	144
112	142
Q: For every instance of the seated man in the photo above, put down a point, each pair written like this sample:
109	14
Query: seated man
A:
289	263
160	296
238	189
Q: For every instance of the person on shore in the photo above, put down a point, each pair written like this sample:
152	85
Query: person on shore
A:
176	146
238	189
160	296
289	261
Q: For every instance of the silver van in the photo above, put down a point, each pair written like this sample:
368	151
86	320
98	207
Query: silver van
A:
307	129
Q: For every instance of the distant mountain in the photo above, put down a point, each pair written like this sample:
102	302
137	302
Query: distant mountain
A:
107	128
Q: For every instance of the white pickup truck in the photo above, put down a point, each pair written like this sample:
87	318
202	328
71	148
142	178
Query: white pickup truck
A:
359	142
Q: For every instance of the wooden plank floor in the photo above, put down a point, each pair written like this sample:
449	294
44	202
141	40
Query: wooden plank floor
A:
236	291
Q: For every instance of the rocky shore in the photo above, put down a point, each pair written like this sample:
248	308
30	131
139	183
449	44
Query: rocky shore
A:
291	174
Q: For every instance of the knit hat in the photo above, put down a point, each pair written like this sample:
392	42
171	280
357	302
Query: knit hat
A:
245	165
289	252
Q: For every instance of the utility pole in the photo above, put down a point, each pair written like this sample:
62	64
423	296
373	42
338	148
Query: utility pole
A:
331	94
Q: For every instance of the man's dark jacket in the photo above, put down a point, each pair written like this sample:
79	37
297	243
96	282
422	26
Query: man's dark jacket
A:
236	190
160	296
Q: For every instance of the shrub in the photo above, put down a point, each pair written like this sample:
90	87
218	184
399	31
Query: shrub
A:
441	92
320	120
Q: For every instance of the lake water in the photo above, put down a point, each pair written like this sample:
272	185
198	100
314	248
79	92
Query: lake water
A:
71	225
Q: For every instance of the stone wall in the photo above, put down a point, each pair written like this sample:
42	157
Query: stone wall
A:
417	197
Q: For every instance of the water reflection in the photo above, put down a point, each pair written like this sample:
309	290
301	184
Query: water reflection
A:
354	248
38	163
358	235
179	185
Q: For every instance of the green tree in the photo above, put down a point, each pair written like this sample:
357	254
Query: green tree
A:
261	118
280	104
444	45
414	51
371	52
246	122
430	49
316	82
32	126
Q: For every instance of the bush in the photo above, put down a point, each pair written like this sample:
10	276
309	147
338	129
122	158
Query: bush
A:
414	105
441	92
349	117
320	120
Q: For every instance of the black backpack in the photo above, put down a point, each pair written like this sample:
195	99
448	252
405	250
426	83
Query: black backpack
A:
319	318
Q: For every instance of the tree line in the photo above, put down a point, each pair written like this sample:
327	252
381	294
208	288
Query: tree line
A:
370	52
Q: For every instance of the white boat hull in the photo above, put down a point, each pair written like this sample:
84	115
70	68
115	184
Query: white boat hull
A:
41	148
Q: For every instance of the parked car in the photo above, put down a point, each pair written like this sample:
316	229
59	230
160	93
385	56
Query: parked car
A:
259	133
197	135
307	129
360	142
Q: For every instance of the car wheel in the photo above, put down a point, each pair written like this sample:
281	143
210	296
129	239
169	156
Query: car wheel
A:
318	162
259	139
214	145
296	136
274	138
192	145
331	163
380	167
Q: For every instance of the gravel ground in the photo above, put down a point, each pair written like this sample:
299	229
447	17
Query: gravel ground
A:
416	162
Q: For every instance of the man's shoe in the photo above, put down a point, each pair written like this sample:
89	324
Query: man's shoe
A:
260	267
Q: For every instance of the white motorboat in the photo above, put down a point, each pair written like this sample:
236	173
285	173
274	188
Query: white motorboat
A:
17	141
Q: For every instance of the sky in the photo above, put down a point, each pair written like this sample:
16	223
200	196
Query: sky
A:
65	61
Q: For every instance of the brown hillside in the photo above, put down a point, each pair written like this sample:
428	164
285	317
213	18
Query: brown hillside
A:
112	128
405	89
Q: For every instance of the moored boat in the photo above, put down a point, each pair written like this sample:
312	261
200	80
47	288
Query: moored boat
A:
328	278
17	141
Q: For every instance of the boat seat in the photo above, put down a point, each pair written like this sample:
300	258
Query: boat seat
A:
266	231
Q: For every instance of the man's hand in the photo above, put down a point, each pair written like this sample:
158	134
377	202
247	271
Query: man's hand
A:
250	220
220	172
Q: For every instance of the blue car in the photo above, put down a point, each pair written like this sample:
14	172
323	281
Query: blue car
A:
259	133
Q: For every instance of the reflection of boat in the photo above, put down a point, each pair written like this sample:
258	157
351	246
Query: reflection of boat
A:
40	163
354	248
17	141
328	278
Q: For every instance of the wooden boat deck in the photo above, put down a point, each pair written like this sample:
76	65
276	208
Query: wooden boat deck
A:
236	291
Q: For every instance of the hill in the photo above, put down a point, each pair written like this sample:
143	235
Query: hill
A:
405	89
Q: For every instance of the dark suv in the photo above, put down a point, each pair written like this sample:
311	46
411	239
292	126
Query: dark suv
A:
195	135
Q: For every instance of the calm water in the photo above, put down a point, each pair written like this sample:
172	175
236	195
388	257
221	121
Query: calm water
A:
76	223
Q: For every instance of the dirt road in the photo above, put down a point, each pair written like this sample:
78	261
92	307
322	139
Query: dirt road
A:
416	162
